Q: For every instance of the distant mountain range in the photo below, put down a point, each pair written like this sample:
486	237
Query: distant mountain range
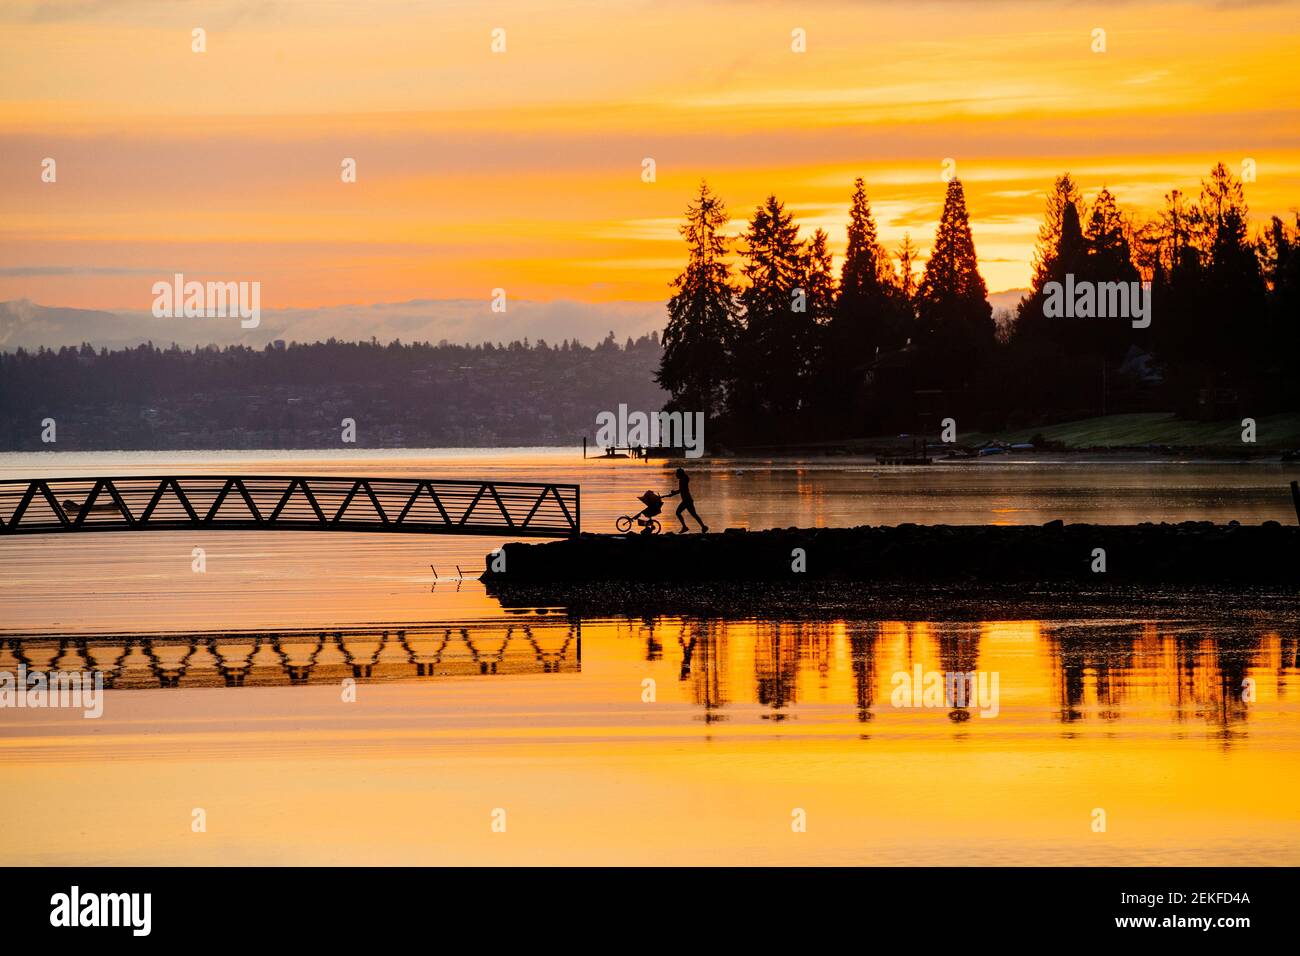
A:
1004	303
24	324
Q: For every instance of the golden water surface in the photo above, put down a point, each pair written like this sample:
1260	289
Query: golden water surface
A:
321	699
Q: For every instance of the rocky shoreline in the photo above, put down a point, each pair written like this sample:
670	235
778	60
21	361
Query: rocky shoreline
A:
1067	558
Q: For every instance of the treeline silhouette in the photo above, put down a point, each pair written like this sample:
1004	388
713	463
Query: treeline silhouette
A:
295	396
776	348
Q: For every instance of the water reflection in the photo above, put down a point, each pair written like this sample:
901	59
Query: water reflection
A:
1080	675
1075	673
297	657
1211	674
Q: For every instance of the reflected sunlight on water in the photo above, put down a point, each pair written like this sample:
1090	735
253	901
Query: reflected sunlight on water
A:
634	741
256	580
749	720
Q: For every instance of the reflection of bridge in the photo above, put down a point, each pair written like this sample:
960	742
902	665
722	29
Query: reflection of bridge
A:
260	503
302	657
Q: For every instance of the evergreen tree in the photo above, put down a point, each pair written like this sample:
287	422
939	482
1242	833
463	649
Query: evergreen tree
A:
1108	258
1210	321
819	278
1060	250
702	323
1233	305
1175	226
1072	248
1065	196
778	328
1279	252
819	286
870	314
1068	256
867	313
1177	281
907	256
956	320
866	272
1045	367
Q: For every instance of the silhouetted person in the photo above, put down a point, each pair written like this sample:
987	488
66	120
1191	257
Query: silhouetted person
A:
688	503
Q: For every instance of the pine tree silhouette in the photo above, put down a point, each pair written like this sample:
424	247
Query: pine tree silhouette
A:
870	312
702	323
956	320
819	286
1064	196
777	325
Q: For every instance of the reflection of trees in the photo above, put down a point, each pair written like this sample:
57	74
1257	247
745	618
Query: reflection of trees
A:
959	655
776	666
704	654
1212	671
1288	659
1203	672
1233	665
862	653
1103	653
816	645
654	649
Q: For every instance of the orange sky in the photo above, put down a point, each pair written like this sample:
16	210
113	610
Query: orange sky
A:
522	169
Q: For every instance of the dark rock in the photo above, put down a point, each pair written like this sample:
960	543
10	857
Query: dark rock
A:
1192	553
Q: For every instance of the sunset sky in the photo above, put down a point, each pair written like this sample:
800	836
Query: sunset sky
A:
522	169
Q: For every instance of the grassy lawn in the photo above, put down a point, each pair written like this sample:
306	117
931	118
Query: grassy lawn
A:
1153	428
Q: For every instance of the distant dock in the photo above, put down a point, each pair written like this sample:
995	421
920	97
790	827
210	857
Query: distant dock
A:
634	452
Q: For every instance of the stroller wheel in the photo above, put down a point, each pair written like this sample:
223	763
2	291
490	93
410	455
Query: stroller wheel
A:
653	526
623	524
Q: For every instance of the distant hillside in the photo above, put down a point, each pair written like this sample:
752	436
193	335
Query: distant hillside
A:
25	324
1156	428
1004	303
296	397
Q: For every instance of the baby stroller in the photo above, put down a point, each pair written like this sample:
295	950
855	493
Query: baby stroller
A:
645	517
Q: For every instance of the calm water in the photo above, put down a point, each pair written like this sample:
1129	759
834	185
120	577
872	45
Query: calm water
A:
655	740
255	580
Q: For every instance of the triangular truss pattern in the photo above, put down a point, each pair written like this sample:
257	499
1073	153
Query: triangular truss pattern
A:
323	503
427	488
485	490
233	485
360	491
178	496
300	486
548	490
296	656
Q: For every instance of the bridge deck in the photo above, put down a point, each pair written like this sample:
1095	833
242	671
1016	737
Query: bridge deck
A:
289	503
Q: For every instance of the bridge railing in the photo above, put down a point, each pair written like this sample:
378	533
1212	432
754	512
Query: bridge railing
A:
289	503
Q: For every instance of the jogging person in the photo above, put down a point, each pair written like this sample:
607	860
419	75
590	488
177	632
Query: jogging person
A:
688	503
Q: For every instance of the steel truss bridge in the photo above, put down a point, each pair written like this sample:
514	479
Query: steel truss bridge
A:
284	503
